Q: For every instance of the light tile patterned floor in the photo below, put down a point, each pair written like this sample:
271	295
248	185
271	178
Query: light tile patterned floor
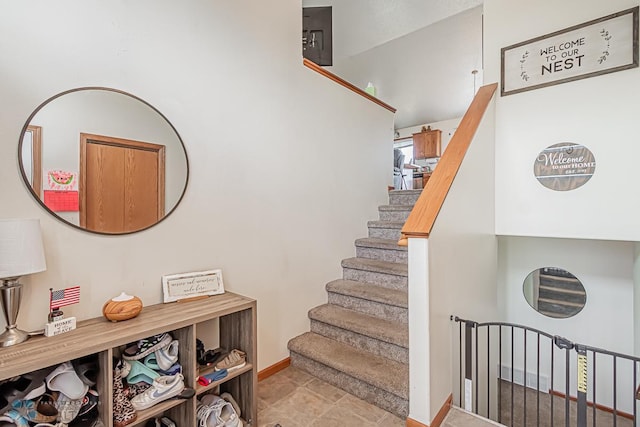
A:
459	418
293	398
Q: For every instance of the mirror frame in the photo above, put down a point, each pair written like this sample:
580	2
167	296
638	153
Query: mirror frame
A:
107	89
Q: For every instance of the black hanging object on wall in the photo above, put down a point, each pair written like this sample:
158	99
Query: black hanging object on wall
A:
317	44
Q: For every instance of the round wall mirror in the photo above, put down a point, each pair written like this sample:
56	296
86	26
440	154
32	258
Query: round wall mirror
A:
554	292
103	160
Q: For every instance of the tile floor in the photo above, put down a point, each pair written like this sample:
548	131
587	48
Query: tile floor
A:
293	398
459	418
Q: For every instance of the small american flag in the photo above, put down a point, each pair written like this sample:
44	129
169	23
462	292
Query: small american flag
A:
64	297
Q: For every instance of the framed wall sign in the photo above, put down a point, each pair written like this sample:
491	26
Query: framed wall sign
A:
192	285
564	166
597	47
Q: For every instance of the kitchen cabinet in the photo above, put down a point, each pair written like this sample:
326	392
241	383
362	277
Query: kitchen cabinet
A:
427	143
420	180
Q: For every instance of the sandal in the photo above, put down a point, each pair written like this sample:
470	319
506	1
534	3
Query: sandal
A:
42	410
87	371
20	386
65	380
14	417
140	372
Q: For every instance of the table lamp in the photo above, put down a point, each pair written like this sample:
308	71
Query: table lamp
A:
21	253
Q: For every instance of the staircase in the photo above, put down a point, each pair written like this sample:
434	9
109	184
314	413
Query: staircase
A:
359	340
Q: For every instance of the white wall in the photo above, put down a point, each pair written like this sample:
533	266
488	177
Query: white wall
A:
636	299
599	112
431	64
280	230
605	269
461	276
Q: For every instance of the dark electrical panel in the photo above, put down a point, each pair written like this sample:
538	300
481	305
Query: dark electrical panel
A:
316	35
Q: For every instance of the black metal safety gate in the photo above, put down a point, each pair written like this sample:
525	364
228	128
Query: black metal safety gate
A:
521	376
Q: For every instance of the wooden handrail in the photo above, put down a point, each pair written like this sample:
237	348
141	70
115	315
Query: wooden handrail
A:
425	211
342	82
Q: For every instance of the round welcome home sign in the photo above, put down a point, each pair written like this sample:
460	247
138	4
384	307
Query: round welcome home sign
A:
564	166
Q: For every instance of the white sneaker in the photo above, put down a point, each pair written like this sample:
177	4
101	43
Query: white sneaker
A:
229	398
167	356
164	387
214	411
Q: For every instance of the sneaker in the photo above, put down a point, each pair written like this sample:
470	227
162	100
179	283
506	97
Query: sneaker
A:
167	356
147	346
211	357
167	422
89	406
213	411
229	398
68	408
123	412
132	390
234	361
160	422
163	388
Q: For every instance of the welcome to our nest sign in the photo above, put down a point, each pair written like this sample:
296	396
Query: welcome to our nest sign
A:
590	49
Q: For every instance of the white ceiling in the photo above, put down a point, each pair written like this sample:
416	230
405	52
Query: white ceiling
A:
439	32
359	25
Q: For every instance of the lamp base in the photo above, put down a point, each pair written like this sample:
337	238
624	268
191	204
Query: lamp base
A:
13	336
10	296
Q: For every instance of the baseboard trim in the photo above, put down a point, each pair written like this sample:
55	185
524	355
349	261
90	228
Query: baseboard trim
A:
590	404
413	423
274	369
438	419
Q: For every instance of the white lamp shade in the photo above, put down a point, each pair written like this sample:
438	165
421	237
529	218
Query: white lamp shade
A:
21	250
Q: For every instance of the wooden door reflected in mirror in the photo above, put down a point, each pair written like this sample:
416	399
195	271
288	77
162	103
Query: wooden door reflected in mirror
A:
31	151
121	183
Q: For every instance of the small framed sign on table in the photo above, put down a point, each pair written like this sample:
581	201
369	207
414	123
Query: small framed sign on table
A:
197	284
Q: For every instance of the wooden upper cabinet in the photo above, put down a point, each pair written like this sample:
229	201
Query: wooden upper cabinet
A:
426	144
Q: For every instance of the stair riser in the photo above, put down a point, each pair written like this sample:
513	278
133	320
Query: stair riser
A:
403	199
372	308
393	215
382	254
378	397
362	342
385	233
389	281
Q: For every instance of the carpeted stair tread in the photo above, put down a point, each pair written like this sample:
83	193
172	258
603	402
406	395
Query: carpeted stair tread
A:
372	327
378	243
394	225
395	208
376	266
378	371
403	197
413	192
369	292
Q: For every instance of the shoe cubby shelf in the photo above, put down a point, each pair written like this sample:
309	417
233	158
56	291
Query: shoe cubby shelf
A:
236	316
